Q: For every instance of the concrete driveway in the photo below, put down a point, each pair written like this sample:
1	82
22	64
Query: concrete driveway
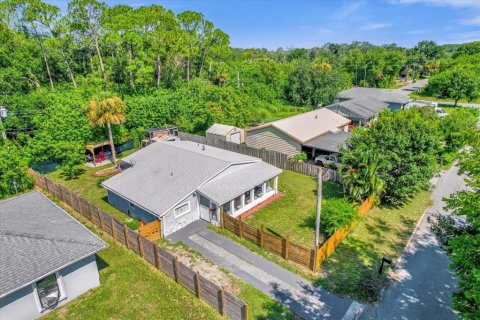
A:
412	87
301	296
425	283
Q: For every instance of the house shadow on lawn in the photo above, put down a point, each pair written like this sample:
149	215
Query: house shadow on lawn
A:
101	264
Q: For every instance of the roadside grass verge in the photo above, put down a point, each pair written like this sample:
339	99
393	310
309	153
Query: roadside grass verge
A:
419	96
352	270
293	215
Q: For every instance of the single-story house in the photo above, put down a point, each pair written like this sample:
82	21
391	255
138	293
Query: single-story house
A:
226	133
180	182
361	111
394	101
47	258
294	134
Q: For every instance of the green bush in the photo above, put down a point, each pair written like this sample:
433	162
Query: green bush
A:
132	223
336	214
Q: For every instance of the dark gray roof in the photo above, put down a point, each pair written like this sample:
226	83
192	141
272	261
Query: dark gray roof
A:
329	142
365	107
379	94
239	178
164	173
38	238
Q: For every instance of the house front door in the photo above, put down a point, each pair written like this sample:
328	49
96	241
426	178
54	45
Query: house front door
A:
204	208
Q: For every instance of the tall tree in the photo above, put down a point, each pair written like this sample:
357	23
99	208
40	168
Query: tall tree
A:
107	111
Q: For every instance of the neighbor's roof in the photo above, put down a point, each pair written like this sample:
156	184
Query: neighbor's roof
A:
164	173
364	107
329	142
239	179
379	94
306	126
38	238
220	129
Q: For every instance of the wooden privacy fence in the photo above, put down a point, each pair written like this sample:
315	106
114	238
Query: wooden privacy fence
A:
152	230
224	302
275	244
278	159
310	258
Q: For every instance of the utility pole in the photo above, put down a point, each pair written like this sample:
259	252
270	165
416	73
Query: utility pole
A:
365	76
319	207
238	79
3	114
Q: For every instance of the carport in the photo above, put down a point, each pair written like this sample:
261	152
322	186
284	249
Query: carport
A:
325	144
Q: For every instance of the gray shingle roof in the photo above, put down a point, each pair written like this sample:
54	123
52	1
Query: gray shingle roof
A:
38	238
236	180
329	142
164	173
364	107
379	94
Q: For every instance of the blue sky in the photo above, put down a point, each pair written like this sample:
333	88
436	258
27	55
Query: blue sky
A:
308	23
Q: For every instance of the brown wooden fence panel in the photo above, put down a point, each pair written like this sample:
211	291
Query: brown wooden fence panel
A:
186	277
152	230
165	260
119	229
85	208
273	243
133	244
67	198
234	308
76	202
250	233
210	293
96	216
107	222
300	255
148	251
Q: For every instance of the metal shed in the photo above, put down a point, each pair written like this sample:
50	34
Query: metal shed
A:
225	132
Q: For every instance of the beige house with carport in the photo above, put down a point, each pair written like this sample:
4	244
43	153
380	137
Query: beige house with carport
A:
292	135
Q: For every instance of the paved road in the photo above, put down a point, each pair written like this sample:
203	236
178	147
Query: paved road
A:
301	296
427	285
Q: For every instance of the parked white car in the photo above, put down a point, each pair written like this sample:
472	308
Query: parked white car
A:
324	159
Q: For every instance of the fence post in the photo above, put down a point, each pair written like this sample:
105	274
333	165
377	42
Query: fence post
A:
315	254
46	184
222	301
287	247
175	268
155	253
71	200
140	245
261	235
240	231
90	212
222	218
61	192
197	284
112	223
101	220
125	232
246	311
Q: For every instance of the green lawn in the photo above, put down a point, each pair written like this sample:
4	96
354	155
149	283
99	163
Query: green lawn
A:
294	214
417	96
131	289
89	188
352	270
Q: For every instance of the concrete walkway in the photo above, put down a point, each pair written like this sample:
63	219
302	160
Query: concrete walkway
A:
301	296
426	284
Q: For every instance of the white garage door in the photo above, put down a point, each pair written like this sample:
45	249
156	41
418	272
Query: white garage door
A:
235	137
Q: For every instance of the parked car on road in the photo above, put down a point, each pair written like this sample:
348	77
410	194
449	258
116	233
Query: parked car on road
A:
440	112
325	159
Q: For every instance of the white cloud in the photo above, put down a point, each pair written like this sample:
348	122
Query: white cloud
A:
347	9
447	3
374	26
475	21
418	31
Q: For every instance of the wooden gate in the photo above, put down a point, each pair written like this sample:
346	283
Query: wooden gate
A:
152	230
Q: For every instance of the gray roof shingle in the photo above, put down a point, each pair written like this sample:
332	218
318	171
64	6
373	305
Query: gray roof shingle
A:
329	142
365	107
379	94
37	238
164	173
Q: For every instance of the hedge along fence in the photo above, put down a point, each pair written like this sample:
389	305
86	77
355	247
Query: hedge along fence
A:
224	302
310	258
277	159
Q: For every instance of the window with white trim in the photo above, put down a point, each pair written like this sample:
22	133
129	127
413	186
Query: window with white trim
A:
182	210
49	291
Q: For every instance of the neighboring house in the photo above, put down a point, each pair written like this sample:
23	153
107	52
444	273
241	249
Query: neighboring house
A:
47	258
394	101
181	181
294	134
227	133
361	111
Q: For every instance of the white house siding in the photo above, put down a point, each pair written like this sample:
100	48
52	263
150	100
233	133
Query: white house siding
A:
172	224
77	278
272	139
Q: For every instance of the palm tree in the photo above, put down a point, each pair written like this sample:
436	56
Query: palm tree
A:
361	171
107	111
